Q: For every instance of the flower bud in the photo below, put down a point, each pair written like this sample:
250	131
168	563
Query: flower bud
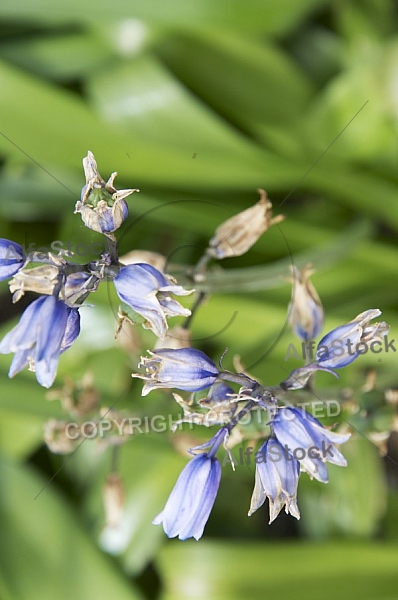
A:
103	208
113	495
305	309
238	234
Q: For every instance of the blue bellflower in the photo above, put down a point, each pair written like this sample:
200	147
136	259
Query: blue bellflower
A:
341	346
46	328
11	258
186	369
277	476
305	438
148	292
189	505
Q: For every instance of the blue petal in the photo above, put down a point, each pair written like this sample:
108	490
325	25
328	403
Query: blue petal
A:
24	335
190	357
19	362
158	275
338	356
53	319
72	329
106	220
219	392
163	283
200	517
190	502
11	258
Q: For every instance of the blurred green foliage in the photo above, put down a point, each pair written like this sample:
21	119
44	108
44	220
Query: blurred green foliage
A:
198	104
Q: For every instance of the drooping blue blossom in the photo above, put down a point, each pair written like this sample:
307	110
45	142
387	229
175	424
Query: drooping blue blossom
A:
186	369
305	438
277	475
339	347
46	328
148	292
11	258
189	505
305	312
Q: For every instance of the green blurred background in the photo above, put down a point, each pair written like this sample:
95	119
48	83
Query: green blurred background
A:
198	104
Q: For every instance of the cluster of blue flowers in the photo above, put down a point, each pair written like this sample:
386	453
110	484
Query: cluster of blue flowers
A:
51	323
277	474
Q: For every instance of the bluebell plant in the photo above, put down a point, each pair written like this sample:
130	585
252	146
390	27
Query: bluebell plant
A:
50	325
293	441
298	442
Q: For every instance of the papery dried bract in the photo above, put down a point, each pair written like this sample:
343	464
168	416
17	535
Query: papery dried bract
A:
41	280
57	439
238	234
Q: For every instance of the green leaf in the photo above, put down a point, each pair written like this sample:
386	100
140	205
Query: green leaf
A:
236	570
141	97
258	16
53	551
354	500
60	56
34	131
261	84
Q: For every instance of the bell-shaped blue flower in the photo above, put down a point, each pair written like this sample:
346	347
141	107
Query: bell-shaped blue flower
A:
148	292
11	258
186	369
277	475
342	346
305	438
47	328
189	505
